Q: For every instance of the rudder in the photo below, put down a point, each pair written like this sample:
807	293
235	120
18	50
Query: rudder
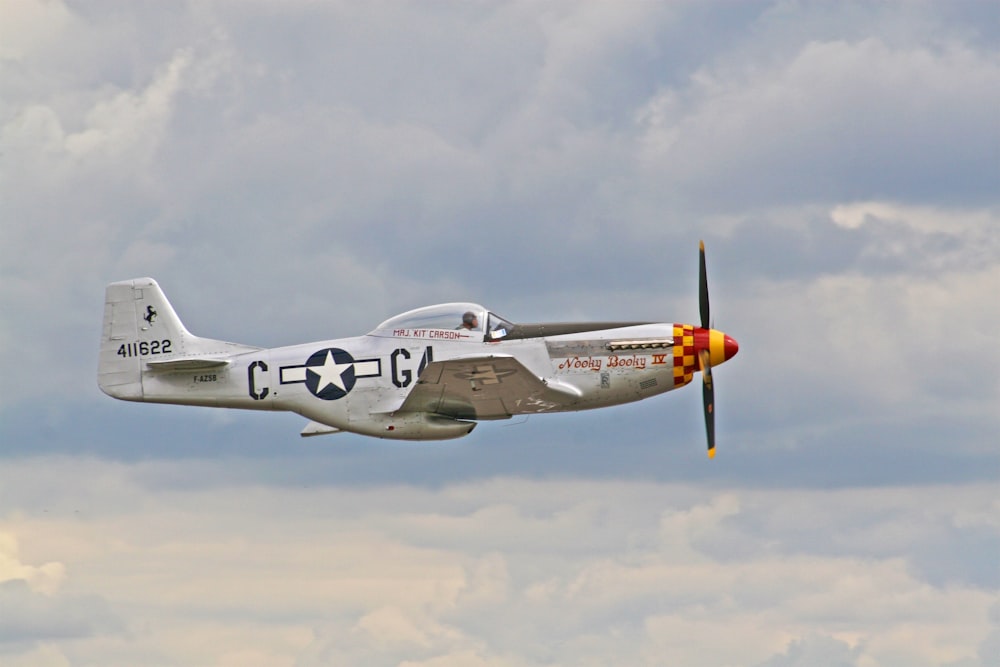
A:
118	371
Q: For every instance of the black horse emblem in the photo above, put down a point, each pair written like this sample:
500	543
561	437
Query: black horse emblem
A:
150	314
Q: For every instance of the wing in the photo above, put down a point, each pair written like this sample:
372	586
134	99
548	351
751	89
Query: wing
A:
485	387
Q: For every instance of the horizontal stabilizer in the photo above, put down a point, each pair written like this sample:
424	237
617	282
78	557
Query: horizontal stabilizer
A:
187	364
315	428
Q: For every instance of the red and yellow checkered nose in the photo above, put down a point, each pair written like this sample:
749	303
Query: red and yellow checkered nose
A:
689	341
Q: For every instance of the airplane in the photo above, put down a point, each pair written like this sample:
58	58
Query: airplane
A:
428	374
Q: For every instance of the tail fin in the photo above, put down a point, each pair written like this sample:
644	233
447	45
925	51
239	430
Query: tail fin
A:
142	334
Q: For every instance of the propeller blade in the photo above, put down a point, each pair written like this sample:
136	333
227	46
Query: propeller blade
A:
708	400
703	286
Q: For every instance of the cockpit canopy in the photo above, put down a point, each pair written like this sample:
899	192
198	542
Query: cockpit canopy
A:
448	321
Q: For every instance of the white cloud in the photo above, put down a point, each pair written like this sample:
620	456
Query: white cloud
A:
121	128
32	27
242	150
643	573
130	126
392	625
899	327
37	612
44	655
45	579
816	651
837	120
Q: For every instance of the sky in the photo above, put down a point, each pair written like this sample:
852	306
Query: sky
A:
294	171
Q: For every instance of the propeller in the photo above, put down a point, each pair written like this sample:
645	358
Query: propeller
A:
703	286
708	400
707	390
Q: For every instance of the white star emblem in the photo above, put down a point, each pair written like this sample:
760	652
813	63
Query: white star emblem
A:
330	373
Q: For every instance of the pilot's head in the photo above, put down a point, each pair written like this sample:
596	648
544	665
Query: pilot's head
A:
469	320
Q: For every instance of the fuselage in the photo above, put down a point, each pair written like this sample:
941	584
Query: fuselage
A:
359	384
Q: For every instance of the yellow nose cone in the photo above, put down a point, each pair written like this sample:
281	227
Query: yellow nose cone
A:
721	347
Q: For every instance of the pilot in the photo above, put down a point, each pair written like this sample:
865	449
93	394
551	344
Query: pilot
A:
469	321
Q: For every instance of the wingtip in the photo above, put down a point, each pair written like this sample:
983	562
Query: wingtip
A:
701	246
711	452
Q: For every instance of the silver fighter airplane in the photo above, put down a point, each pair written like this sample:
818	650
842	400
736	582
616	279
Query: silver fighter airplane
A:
428	374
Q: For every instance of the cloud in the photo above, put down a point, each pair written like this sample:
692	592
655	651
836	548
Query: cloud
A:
304	171
127	123
44	579
865	293
28	617
837	120
253	146
501	570
34	611
30	28
989	650
815	651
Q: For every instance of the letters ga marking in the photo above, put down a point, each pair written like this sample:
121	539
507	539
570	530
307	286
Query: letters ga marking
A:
403	377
